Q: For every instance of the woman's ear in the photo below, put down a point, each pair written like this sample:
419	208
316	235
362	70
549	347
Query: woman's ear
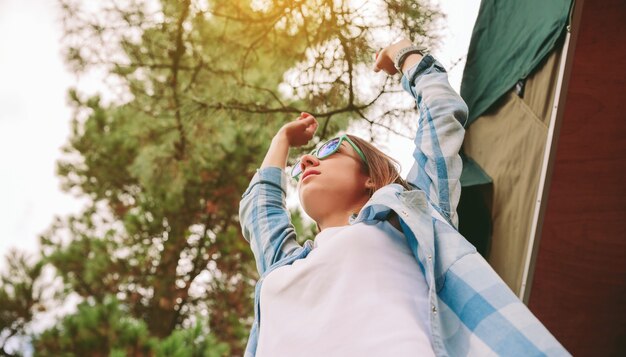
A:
369	186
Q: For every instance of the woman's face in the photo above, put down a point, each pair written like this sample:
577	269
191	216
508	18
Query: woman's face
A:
335	183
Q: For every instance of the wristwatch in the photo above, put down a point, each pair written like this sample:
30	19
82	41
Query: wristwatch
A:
404	53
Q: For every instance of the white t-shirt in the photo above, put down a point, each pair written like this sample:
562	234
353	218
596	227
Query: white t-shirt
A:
359	292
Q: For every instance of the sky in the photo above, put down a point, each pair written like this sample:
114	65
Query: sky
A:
35	118
34	121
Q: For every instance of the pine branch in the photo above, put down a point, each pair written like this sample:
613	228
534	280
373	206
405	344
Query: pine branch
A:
176	57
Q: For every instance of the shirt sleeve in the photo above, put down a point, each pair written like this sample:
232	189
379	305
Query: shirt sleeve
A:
265	220
442	114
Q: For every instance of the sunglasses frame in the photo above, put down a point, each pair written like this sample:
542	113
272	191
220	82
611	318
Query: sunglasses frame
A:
315	153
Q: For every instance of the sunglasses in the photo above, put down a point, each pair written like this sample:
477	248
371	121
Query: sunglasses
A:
328	148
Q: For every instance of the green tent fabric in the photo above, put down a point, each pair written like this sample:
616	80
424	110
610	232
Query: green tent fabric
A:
473	207
472	173
510	38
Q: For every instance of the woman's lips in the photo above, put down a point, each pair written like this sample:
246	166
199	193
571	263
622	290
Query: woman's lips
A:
309	172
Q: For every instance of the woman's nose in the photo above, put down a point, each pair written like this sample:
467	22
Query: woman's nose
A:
308	160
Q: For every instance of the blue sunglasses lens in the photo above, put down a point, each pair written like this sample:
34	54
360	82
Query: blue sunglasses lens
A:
328	148
297	169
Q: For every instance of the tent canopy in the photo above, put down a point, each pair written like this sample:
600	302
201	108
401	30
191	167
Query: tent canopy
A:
509	40
512	43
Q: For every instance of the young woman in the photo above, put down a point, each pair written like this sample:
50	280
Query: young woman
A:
388	274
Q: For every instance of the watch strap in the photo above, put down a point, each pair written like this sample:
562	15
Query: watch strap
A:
404	53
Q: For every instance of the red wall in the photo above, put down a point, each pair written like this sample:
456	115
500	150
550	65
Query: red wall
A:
579	287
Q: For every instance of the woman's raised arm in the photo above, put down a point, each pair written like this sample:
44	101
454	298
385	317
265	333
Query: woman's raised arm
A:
442	116
263	215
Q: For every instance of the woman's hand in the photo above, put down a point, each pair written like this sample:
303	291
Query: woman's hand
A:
386	56
300	131
295	133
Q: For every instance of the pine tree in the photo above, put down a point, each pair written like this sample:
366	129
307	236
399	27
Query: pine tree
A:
158	258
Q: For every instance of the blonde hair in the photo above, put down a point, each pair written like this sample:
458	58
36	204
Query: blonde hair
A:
381	168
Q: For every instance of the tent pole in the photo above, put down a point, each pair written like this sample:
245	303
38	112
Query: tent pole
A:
549	156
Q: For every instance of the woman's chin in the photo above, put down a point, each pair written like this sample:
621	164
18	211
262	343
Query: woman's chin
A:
310	193
305	191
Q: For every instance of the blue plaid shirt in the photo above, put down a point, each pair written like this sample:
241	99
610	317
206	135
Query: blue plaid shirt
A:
472	311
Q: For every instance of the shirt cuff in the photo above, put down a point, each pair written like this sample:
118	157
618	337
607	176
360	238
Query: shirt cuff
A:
424	66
